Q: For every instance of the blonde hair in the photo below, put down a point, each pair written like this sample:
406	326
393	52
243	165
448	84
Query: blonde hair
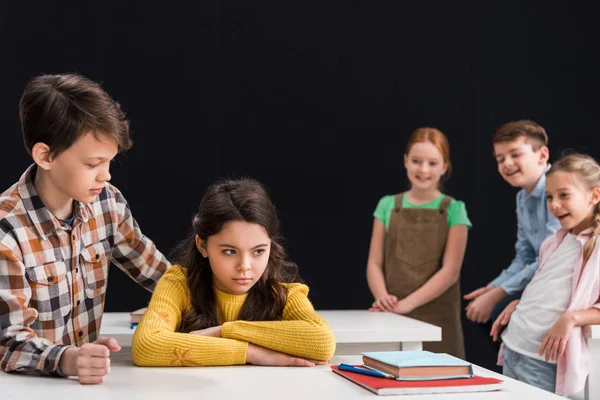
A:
588	170
438	139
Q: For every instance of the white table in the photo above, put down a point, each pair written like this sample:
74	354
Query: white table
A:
224	383
592	386
355	331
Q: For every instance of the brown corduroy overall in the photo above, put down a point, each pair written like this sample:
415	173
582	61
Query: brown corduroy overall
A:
414	248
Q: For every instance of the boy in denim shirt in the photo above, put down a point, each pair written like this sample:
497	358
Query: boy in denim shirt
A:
521	151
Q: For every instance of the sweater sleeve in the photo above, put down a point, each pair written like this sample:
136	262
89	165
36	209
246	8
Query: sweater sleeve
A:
301	332
157	342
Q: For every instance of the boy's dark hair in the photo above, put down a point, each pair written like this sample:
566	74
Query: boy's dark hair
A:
226	201
535	133
59	109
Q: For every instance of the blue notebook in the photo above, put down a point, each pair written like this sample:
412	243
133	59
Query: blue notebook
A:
417	365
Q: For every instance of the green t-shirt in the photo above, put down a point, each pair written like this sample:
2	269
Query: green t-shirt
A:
457	212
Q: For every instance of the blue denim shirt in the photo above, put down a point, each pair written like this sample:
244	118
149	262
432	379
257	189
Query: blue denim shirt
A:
535	223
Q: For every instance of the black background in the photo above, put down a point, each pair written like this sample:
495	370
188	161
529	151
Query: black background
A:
316	100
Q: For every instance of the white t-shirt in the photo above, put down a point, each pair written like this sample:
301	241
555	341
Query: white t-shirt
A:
544	300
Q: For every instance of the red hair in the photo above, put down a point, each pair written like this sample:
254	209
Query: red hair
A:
438	139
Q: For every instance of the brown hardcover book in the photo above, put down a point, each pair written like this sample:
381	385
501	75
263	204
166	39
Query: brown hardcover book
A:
136	316
436	371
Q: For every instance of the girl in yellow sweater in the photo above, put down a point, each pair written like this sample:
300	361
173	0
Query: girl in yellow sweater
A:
231	298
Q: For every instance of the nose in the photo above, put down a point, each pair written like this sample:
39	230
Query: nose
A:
554	205
244	264
104	175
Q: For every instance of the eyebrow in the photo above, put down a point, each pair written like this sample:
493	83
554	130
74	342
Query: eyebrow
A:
507	152
98	158
233	247
425	158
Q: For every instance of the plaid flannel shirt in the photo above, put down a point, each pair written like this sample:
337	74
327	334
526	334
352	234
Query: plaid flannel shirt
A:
53	275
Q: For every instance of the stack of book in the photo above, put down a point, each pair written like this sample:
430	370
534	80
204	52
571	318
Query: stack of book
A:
136	316
415	372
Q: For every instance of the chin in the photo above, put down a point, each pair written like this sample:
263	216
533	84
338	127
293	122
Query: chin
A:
423	186
86	199
567	226
514	182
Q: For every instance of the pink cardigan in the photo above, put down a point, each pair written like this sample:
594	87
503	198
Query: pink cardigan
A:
574	365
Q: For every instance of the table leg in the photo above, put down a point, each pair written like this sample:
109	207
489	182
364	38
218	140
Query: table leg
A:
411	346
592	386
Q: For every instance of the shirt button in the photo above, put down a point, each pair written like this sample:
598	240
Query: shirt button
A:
80	333
50	278
76	270
97	256
78	302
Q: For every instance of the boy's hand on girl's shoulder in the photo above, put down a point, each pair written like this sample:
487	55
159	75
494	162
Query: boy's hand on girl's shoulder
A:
214	331
480	309
90	362
503	319
555	341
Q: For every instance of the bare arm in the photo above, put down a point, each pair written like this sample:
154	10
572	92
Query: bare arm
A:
446	276
591	316
375	276
555	341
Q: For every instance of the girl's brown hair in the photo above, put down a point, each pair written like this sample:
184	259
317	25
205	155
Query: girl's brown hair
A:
438	139
234	200
588	171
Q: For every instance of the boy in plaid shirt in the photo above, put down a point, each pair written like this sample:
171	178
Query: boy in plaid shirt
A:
61	225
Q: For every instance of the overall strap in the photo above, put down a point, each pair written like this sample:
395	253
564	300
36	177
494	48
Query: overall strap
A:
445	204
398	201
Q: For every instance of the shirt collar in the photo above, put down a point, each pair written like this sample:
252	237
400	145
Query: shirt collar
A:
540	188
44	221
582	237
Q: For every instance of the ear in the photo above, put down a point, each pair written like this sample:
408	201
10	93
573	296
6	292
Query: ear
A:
201	246
406	161
445	169
544	154
41	155
595	196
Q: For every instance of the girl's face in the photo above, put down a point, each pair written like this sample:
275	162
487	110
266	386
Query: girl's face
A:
570	201
424	166
238	256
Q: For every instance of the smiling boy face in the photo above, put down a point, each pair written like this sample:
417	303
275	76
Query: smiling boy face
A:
519	164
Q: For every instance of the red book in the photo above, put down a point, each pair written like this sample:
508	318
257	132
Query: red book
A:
383	386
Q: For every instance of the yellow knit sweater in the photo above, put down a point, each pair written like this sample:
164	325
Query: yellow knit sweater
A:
158	342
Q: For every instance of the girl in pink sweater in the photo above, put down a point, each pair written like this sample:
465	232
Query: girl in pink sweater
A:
543	343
